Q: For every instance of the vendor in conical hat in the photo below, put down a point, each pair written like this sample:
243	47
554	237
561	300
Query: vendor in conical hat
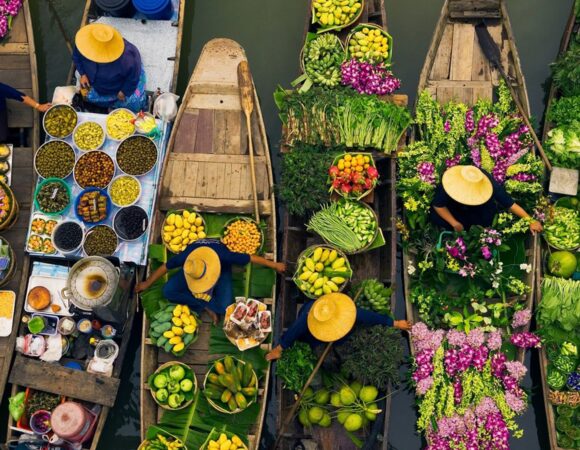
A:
204	277
330	319
468	196
109	68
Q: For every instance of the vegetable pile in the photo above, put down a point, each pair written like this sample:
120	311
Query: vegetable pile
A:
322	58
182	228
225	443
335	14
563	145
321	271
558	314
242	236
162	443
89	136
173	387
371	294
231	384
174	328
120	124
353	175
568	426
562	229
295	366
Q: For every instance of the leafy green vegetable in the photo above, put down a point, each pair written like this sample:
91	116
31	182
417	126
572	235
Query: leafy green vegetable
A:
564	111
558	313
566	71
296	365
378	367
304	172
563	145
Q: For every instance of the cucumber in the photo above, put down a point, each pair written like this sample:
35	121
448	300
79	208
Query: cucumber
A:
162	328
162	341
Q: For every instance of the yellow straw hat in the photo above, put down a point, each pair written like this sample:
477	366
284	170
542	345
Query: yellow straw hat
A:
202	269
100	43
331	317
467	185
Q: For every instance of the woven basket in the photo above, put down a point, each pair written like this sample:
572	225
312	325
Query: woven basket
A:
165	434
348	196
337	27
14	209
178	211
302	66
250	220
359	27
167	365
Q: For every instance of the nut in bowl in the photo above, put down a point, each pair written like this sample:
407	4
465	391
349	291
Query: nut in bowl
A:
181	228
243	235
231	385
173	385
247	323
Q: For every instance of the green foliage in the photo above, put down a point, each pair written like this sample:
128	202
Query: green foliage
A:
564	110
558	314
304	173
296	365
379	367
566	71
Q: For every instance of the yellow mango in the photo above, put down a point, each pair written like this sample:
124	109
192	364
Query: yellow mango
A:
184	234
170	219
176	232
175	340
177	331
177	321
186	214
168	334
178	221
201	235
175	248
198	229
190	329
178	347
186	225
167	237
169	228
176	240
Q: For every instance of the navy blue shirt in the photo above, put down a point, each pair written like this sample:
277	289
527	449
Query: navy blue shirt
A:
9	92
299	329
110	78
471	215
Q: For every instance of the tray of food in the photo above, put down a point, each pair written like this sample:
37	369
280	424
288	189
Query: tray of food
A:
44	296
7	300
247	323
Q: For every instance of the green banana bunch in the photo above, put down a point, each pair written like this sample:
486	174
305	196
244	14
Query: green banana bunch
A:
323	57
373	296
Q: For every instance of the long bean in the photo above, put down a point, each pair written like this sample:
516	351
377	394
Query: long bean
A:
333	230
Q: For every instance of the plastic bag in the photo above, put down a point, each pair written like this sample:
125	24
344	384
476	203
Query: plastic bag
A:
165	106
16	406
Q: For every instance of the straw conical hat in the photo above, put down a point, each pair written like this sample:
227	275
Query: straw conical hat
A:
332	317
202	270
100	43
467	185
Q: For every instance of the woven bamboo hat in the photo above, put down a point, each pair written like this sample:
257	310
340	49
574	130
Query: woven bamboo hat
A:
467	185
100	43
331	317
202	270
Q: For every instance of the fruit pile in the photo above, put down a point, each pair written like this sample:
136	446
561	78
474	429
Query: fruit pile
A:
231	385
353	175
182	228
322	58
335	13
174	328
242	236
225	443
563	264
321	271
161	443
354	406
173	387
369	45
373	295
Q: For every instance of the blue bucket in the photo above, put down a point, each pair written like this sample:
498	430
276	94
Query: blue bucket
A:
154	9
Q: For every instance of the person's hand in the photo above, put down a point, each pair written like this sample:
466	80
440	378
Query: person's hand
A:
280	267
536	227
85	82
458	226
142	286
404	325
121	96
274	354
43	107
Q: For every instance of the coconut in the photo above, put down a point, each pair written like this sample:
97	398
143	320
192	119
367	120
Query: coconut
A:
335	400
315	414
368	394
353	422
325	421
303	418
562	264
322	397
356	386
371	411
347	396
342	416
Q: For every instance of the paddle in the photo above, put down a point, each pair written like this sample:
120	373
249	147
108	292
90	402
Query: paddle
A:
247	100
492	53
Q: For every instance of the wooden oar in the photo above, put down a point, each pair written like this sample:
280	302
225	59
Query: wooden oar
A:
292	412
492	53
247	100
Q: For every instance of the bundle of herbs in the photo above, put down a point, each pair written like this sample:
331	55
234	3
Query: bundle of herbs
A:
373	356
304	171
558	314
296	365
341	117
566	70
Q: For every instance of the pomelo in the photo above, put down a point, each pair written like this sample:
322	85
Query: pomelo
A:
562	264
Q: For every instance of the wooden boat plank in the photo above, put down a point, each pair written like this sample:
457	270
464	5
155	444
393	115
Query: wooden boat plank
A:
15	62
442	63
474	9
480	66
18	33
462	51
14	49
57	379
186	135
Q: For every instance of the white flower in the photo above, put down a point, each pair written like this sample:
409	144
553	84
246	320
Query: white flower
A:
411	269
526	267
491	262
495	284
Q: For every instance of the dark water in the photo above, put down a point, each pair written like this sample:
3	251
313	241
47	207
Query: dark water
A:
271	33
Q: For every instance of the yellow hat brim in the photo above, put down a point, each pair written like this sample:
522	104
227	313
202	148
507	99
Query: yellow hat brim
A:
342	322
463	191
94	50
212	270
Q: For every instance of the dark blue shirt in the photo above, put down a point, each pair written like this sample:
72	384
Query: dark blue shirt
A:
110	78
9	92
299	329
471	215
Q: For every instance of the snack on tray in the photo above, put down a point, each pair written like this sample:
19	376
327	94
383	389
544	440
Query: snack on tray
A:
265	321
239	314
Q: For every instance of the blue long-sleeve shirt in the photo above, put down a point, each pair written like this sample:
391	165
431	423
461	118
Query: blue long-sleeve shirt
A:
9	92
110	78
299	329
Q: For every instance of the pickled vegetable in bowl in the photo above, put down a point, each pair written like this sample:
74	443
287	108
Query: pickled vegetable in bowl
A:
120	124
89	136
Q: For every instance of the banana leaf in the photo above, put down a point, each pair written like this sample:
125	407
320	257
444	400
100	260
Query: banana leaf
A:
220	345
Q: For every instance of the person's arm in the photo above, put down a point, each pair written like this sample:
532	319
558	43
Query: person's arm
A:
78	60
42	107
369	318
535	226
277	266
446	215
292	334
133	67
161	271
9	92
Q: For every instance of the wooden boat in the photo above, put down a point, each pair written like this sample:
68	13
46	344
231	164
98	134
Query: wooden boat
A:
18	69
456	69
158	41
207	167
572	28
380	264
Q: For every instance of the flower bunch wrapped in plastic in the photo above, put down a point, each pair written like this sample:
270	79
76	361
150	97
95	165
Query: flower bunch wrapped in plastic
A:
8	10
367	78
469	391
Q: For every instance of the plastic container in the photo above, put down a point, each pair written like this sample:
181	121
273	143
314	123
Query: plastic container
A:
154	9
116	8
7	301
40	422
66	187
78	200
50	324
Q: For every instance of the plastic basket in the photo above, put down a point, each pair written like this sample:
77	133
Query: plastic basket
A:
53	180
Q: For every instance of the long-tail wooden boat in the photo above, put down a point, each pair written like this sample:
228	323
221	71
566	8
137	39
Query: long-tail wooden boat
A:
572	29
18	69
207	167
97	390
380	264
456	69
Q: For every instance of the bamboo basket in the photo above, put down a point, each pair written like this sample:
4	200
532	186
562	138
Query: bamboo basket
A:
14	208
178	211
387	60
337	27
250	220
167	365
